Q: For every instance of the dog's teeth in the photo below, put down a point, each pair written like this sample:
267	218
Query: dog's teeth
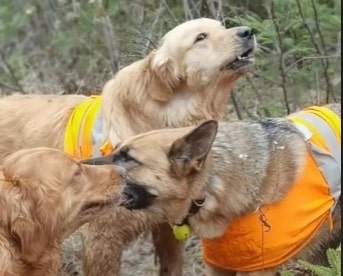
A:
242	57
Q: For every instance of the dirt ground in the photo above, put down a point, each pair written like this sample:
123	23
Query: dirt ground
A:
137	260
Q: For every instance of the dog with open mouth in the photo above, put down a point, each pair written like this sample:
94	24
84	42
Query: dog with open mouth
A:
261	193
187	79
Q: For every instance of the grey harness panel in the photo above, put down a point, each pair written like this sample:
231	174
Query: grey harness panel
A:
329	163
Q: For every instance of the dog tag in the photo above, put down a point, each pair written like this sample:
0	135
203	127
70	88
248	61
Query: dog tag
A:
182	232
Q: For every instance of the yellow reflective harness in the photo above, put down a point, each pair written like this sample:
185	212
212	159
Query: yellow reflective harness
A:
84	129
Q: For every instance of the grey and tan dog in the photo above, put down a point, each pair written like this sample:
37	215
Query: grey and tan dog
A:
261	193
187	79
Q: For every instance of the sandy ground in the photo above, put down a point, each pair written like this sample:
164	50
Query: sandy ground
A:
138	258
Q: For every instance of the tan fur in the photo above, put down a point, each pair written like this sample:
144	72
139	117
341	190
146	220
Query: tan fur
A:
178	84
181	83
243	166
43	198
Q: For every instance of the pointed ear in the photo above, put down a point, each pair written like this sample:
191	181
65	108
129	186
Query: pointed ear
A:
187	154
165	76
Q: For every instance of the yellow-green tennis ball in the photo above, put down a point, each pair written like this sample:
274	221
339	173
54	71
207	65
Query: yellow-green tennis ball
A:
182	232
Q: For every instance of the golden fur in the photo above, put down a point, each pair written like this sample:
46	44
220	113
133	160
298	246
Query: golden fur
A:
236	170
45	195
186	80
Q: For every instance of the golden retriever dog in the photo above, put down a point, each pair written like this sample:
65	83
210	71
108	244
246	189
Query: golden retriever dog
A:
261	193
185	81
45	195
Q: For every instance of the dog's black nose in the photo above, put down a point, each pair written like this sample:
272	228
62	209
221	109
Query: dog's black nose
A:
129	199
136	196
245	32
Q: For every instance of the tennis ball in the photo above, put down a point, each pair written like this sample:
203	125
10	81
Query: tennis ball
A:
182	232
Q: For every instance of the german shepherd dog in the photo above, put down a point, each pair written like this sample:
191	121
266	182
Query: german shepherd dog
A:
231	182
186	80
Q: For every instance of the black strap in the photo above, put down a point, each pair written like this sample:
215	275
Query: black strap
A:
194	209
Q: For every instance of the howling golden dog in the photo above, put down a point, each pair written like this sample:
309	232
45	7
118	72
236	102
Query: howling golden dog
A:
45	195
261	194
185	81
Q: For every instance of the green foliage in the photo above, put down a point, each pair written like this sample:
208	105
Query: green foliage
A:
334	268
75	44
286	273
300	54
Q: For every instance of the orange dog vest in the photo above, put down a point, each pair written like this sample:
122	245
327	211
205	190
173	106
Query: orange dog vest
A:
250	245
83	136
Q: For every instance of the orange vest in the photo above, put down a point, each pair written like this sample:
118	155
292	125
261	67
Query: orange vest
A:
248	245
84	131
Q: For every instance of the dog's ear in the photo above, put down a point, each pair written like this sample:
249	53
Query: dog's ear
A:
29	235
29	238
187	154
165	76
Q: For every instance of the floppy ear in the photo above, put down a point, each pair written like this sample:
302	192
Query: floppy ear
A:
30	238
165	76
187	154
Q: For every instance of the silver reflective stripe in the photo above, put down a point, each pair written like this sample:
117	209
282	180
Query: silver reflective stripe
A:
327	132
329	164
97	135
307	134
330	170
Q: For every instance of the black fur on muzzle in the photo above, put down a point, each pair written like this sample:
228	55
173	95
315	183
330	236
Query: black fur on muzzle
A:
136	196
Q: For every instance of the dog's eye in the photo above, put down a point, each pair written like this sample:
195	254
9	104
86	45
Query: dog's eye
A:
200	37
126	157
123	156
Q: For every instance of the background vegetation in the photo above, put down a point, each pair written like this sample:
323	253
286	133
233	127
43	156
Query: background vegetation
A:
74	46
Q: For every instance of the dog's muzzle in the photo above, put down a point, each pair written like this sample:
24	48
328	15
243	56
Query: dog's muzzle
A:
135	196
103	160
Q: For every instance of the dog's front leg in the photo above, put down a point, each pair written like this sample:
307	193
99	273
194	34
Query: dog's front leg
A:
168	250
102	248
